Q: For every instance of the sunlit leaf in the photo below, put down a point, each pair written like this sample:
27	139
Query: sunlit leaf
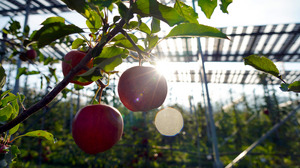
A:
2	77
21	72
142	27
155	25
152	41
195	30
40	134
15	106
9	98
147	8
81	6
24	71
109	64
51	32
186	11
262	63
109	52
94	22
208	6
14	129
6	112
295	86
121	41
224	5
4	94
102	3
77	43
56	19
121	37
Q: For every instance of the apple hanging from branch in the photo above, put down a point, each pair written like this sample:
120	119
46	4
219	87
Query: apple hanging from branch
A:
71	59
142	88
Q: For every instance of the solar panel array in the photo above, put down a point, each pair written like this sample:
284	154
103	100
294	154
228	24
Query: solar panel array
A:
230	77
278	42
19	7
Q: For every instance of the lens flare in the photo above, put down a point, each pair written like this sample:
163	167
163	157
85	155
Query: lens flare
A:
168	121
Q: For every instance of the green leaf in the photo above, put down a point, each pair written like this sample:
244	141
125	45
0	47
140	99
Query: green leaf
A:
53	31
124	12
224	5
186	11
262	63
155	25
78	87
40	134
77	43
208	6
102	3
14	151
65	92
94	22
2	77
6	112
21	97
50	60
95	102
121	37
147	8
15	106
11	97
142	27
55	19
53	73
109	52
14	129
24	71
121	41
81	6
4	94
195	30
152	41
109	64
92	74
295	86
21	72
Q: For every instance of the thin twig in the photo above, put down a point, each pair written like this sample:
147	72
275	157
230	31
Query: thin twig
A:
138	50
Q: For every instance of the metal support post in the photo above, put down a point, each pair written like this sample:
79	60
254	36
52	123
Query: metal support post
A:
17	82
217	162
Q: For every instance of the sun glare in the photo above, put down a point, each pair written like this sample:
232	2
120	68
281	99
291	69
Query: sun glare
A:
164	67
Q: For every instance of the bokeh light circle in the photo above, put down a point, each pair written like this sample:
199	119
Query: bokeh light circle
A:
168	121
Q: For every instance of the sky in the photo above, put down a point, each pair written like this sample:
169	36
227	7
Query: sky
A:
241	13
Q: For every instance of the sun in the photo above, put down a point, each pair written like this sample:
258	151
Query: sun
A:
164	68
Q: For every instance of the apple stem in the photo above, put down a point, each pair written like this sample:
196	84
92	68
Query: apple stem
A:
101	87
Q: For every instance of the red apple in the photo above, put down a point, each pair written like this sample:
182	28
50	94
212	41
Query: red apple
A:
142	88
31	54
97	128
71	59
